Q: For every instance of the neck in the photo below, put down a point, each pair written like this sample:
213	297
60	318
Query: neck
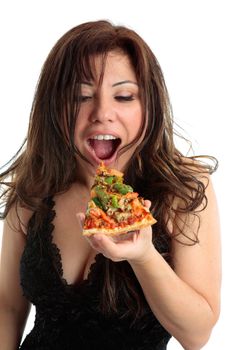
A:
85	174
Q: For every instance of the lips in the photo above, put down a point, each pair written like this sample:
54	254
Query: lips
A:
104	147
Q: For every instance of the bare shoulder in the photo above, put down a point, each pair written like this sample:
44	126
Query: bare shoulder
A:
13	243
199	264
203	216
198	209
195	193
18	218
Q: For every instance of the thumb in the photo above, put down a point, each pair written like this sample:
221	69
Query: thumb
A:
81	218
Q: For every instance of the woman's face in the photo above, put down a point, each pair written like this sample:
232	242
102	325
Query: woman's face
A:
110	115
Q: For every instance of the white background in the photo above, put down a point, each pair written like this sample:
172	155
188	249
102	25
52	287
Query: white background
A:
193	43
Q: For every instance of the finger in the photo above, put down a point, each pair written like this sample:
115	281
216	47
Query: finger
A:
147	203
123	236
116	251
105	243
135	235
93	243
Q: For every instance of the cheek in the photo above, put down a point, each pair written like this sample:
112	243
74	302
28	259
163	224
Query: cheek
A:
80	126
135	124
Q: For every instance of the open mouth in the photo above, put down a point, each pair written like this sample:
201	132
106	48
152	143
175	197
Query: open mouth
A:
104	146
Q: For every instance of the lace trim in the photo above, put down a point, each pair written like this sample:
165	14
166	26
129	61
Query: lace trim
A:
56	253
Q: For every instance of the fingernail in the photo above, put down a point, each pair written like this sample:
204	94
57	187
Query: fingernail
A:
97	238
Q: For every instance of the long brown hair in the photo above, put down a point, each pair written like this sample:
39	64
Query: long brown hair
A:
46	164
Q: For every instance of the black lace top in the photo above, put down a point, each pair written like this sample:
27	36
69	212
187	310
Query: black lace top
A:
68	316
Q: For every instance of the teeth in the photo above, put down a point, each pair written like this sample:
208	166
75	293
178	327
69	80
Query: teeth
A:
104	137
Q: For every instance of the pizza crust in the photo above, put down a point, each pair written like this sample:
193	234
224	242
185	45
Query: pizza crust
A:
120	230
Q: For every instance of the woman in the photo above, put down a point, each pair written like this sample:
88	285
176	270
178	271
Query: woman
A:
102	96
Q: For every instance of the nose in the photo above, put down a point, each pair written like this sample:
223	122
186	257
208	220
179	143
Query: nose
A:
103	111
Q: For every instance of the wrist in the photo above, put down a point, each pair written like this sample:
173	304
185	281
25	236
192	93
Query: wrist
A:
146	258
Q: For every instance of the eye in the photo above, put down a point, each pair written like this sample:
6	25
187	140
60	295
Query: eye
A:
124	98
84	98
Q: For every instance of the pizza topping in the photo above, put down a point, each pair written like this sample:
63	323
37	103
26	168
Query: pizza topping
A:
113	203
109	180
122	188
112	196
102	196
97	202
122	216
99	213
101	170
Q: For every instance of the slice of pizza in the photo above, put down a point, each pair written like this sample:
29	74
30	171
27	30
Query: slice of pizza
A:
114	207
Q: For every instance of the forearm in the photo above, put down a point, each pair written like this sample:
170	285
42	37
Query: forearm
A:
179	308
11	329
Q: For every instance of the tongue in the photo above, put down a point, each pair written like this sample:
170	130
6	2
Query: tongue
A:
104	149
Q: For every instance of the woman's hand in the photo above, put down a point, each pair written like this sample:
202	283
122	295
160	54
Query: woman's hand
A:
135	246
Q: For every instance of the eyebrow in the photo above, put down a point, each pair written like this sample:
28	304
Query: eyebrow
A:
124	82
116	84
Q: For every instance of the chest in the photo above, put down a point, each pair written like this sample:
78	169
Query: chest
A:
75	252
